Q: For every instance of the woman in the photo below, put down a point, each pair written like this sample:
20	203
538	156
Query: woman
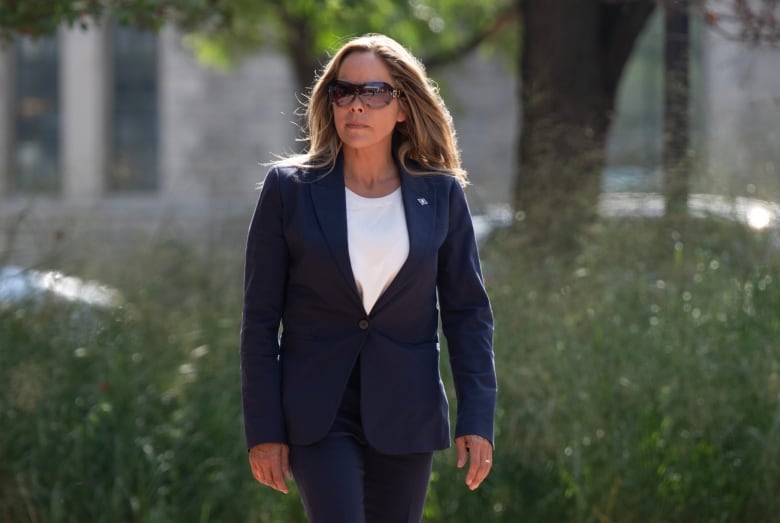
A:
353	249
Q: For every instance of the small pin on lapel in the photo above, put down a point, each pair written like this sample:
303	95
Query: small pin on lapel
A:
422	201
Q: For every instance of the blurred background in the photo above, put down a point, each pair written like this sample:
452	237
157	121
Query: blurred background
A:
624	158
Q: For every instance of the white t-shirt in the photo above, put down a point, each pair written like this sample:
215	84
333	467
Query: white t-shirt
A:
378	242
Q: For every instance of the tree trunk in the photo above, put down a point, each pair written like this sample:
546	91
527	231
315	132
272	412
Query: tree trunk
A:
574	52
299	45
676	110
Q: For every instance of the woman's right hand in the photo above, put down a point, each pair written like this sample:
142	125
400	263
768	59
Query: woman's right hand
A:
271	465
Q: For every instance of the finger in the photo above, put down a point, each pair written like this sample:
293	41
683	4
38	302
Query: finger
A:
460	444
276	477
286	462
474	464
481	463
481	473
264	473
257	471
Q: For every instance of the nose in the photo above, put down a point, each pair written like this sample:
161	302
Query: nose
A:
357	105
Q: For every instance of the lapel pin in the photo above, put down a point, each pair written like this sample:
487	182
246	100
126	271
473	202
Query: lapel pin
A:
422	201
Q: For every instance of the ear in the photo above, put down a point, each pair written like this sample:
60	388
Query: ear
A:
401	115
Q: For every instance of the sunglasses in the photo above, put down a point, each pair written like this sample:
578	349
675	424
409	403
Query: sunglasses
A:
374	95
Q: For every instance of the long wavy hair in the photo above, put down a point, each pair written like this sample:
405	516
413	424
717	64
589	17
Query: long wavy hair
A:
425	143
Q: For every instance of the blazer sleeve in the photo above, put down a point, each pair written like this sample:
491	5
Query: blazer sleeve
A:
265	277
467	322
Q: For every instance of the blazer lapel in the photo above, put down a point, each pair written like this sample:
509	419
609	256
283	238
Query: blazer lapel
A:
420	210
330	206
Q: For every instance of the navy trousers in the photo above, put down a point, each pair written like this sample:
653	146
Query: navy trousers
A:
342	479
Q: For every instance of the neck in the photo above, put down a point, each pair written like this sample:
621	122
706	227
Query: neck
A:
369	169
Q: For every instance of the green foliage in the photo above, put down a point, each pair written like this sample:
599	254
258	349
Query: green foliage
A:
221	32
432	28
36	18
639	382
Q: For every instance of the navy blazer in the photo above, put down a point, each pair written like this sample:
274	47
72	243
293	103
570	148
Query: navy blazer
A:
298	275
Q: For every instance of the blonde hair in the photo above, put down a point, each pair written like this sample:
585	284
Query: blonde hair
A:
425	143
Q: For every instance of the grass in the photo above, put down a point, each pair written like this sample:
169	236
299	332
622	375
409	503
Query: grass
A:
639	382
640	379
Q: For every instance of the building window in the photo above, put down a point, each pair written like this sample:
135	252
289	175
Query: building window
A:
133	159
36	151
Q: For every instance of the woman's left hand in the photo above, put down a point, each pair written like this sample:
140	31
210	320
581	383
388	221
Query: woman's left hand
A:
480	452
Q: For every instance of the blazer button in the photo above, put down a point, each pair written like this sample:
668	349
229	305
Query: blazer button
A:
363	324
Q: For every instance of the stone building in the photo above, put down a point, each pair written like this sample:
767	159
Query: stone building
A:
112	132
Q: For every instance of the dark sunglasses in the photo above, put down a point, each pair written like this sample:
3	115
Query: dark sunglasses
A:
374	95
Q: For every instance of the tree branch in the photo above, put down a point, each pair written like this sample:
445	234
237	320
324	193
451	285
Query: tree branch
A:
503	19
756	23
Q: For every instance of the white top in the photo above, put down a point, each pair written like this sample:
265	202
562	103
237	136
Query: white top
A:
378	242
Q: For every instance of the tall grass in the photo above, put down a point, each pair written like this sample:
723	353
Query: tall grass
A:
639	382
130	414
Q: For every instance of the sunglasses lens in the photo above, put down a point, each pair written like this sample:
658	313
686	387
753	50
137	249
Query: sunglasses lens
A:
374	95
341	94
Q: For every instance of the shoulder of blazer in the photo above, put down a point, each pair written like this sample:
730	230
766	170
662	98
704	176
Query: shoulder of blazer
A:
294	173
301	175
432	180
